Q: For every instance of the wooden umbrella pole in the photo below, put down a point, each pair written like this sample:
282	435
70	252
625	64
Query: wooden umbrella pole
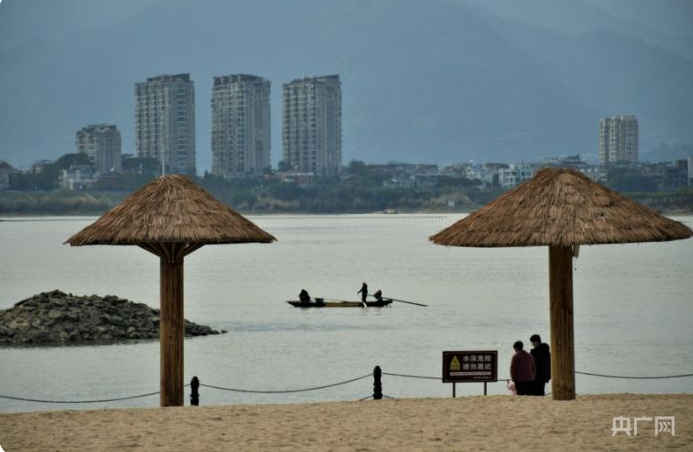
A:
562	337
171	328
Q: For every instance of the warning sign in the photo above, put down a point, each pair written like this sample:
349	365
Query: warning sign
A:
454	364
470	366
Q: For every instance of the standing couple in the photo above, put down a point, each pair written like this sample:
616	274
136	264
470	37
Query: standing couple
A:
531	372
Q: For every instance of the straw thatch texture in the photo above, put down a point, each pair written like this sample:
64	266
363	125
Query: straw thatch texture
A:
560	207
170	209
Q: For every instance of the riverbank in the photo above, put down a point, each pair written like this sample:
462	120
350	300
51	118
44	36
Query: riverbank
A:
490	423
357	201
39	216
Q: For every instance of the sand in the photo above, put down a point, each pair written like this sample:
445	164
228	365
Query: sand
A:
493	423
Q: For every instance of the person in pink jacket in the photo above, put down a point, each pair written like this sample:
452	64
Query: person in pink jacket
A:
522	370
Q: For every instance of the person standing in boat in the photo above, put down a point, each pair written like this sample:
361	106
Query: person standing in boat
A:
303	296
378	295
363	292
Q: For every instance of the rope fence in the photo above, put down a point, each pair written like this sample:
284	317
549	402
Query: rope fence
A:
377	387
116	399
24	399
659	377
420	377
634	378
286	391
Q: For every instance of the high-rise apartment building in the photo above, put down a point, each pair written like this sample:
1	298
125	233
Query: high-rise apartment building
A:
618	140
165	122
312	125
240	125
101	143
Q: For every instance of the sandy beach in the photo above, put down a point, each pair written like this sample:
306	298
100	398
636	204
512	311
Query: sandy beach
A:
493	423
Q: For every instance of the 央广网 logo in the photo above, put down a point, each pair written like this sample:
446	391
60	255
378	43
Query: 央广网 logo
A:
662	424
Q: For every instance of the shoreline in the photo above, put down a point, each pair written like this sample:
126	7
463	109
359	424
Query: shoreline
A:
458	211
486	423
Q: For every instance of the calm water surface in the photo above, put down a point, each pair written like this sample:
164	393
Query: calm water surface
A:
633	311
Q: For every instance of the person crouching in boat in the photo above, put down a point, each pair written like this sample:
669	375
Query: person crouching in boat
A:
378	295
303	296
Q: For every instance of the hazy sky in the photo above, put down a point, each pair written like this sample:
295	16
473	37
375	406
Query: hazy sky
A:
672	16
95	50
22	20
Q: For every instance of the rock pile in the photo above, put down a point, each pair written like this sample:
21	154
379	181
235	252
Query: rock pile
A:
57	317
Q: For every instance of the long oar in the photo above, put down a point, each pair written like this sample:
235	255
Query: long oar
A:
408	302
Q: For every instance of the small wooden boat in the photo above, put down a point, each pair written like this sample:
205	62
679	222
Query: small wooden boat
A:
321	303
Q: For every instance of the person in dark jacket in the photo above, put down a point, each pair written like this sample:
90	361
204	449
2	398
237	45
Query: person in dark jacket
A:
542	360
304	296
363	292
522	370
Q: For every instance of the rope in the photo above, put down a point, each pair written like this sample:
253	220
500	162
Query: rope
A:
286	391
658	377
138	396
635	378
412	376
24	399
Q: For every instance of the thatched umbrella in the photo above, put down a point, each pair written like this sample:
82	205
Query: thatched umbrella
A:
170	217
563	209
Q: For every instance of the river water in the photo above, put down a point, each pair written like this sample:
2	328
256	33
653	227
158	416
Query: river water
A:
633	311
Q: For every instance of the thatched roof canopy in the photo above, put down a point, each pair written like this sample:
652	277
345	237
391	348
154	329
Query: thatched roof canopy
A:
170	209
560	207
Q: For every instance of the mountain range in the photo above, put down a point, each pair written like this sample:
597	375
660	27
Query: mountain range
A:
422	80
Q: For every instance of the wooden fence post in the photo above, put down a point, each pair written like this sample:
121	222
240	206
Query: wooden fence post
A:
194	391
377	384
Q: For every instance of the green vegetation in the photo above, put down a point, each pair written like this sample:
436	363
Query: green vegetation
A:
629	180
360	188
47	178
674	202
58	202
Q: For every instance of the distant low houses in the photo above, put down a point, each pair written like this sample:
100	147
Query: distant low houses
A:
403	169
78	177
667	175
516	173
414	180
594	172
297	177
73	173
489	173
406	175
38	166
466	170
6	170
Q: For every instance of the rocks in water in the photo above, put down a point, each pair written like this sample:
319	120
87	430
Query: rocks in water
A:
57	317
